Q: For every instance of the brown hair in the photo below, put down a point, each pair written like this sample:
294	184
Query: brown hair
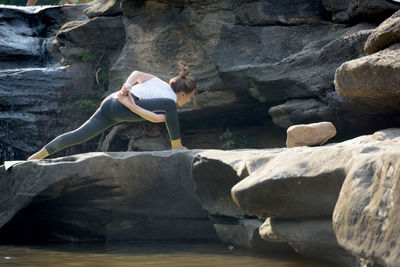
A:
183	83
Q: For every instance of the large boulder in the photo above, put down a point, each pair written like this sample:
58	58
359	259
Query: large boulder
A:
103	196
385	35
309	182
299	188
372	79
92	37
366	215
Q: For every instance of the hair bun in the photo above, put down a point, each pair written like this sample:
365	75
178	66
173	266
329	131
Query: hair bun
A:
184	69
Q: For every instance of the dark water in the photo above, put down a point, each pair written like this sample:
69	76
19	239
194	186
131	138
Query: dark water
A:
144	254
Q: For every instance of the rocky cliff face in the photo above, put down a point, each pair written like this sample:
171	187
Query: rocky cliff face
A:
37	93
261	67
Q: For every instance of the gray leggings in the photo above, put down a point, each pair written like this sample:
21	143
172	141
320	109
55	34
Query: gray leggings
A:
112	112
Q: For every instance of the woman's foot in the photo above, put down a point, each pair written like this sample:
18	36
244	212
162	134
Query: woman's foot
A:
177	144
41	154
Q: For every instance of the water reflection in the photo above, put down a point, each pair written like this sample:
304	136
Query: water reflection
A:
144	254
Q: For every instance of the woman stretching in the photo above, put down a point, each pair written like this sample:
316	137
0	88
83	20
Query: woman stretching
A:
151	99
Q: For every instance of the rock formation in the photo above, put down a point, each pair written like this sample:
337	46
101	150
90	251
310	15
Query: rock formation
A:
373	79
260	67
263	200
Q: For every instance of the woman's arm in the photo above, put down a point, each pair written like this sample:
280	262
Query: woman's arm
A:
129	102
138	76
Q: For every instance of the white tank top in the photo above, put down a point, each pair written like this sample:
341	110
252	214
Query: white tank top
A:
153	88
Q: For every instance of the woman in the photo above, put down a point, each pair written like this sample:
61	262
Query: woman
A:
151	99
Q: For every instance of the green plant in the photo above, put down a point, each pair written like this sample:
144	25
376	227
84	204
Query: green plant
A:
227	139
87	57
87	105
231	141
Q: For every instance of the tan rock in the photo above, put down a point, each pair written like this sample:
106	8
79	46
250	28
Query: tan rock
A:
372	79
310	134
386	34
366	216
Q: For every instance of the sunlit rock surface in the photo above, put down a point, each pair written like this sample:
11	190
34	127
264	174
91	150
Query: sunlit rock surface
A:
366	215
386	34
373	79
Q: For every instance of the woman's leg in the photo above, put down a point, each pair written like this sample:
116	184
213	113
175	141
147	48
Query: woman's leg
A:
92	127
95	125
114	110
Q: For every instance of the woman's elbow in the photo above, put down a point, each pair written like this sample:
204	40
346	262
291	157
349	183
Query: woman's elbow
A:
160	118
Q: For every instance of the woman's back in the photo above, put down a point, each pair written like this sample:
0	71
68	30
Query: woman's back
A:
153	88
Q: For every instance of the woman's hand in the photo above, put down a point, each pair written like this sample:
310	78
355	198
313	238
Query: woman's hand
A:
126	100
124	89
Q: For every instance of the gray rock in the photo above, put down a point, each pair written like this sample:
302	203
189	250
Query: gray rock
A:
17	38
297	73
344	11
37	102
298	188
155	45
313	238
150	144
24	98
372	79
244	234
365	217
385	35
280	12
94	36
292	111
214	174
104	196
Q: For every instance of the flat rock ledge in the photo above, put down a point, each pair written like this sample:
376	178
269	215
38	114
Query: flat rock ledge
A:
262	199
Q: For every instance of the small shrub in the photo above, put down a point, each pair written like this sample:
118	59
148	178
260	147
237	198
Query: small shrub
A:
231	141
